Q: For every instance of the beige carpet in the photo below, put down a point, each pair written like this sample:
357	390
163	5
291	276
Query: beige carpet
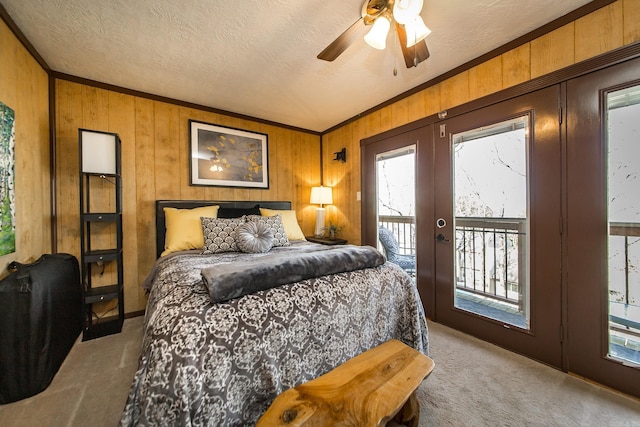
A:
473	384
91	387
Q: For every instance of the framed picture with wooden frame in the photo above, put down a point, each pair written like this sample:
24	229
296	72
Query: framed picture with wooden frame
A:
227	157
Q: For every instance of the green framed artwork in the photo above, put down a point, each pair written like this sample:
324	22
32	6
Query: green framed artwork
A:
7	189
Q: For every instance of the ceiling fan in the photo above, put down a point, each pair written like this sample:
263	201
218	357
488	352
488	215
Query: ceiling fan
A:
380	15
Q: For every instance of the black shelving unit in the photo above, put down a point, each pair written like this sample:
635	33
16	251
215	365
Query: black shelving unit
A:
101	233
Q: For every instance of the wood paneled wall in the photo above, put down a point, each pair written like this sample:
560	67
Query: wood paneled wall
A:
606	29
24	87
155	165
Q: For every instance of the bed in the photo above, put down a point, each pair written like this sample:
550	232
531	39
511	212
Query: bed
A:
223	363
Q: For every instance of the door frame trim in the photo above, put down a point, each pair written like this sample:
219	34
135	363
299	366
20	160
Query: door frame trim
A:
614	57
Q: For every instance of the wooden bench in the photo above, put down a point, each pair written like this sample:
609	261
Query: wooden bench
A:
369	390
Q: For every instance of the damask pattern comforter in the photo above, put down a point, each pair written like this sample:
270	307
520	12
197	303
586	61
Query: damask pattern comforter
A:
205	363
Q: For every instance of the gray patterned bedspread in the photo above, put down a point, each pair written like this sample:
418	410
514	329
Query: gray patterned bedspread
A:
205	363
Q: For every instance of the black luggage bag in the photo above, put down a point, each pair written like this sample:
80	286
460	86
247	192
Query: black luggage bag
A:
40	319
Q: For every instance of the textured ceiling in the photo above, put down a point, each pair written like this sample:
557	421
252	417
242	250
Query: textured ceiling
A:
258	57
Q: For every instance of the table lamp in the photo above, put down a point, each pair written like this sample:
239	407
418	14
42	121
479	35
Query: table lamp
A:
320	196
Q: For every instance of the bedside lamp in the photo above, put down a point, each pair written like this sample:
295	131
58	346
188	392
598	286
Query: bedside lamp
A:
320	196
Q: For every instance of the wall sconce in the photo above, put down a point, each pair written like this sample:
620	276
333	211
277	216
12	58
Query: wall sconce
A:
320	196
98	152
341	155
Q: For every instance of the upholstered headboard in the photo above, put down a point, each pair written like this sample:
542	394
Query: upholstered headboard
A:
188	204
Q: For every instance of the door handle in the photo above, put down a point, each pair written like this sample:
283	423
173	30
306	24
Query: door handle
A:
441	238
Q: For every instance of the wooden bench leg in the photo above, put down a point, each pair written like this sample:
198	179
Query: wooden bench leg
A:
409	414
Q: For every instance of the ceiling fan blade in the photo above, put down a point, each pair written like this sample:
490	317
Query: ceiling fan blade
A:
412	55
343	41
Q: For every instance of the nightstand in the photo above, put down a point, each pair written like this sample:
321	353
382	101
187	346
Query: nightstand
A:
326	240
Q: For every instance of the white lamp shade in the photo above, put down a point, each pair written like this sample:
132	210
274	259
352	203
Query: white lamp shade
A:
405	11
377	36
416	31
321	196
98	152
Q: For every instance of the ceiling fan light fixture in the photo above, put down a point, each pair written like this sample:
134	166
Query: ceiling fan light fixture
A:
405	11
378	16
377	36
416	31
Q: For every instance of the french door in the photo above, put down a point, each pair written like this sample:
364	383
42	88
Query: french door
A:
496	231
528	226
384	167
603	216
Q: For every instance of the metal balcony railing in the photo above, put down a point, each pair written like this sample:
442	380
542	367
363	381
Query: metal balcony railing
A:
490	253
627	235
491	257
404	228
624	277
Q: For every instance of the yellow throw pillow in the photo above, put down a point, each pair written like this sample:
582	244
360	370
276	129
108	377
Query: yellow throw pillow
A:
289	222
184	228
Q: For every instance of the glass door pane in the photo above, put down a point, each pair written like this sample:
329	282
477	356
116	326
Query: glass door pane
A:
395	187
623	183
491	221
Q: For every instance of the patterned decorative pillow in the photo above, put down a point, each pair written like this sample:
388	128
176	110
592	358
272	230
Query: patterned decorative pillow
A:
275	223
254	237
220	234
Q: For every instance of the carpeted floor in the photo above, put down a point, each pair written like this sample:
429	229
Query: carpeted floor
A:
91	387
473	384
